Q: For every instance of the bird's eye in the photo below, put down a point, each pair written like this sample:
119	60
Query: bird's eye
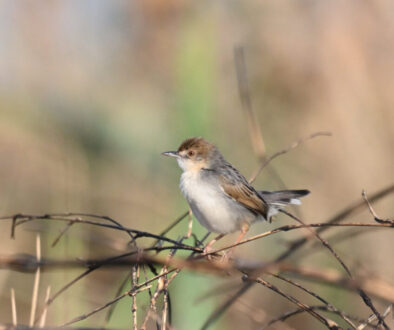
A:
190	153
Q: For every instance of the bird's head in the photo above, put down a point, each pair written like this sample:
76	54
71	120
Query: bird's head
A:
195	154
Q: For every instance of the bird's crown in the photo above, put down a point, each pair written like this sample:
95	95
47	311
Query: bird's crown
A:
197	143
199	150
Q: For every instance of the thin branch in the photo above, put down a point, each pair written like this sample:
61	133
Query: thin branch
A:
297	311
222	308
373	285
79	277
373	317
294	227
124	282
351	209
64	230
24	218
330	324
335	238
98	309
18	216
172	225
377	219
292	146
313	294
28	263
118	292
137	289
367	300
322	240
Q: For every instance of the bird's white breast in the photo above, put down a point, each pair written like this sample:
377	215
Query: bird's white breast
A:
212	208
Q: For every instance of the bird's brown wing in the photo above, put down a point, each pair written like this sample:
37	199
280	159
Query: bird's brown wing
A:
245	195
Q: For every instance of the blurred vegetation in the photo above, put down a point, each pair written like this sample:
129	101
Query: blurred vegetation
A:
91	92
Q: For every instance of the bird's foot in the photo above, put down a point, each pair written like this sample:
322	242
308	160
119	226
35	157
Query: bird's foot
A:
226	256
208	252
208	248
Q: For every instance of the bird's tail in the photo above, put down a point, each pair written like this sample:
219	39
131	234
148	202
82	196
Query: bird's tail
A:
277	200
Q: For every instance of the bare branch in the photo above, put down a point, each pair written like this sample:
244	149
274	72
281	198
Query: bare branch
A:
330	324
64	230
292	146
377	219
367	300
297	311
24	218
313	294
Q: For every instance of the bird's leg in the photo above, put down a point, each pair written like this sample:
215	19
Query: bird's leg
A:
190	225
208	247
244	229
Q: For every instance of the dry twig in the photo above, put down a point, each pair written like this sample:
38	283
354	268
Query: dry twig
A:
292	146
13	308
330	324
375	216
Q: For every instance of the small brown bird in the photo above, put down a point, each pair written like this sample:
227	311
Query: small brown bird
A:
220	197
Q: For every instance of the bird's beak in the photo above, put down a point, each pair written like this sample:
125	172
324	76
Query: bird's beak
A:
171	154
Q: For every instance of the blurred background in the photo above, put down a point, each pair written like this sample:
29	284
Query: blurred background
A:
91	92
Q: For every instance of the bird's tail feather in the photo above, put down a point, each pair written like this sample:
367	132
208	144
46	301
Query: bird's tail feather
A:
279	199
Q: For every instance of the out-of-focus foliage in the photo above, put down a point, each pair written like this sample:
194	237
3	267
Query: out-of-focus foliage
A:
91	92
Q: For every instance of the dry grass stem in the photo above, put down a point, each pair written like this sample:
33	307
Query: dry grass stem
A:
134	307
45	310
13	308
244	93
34	298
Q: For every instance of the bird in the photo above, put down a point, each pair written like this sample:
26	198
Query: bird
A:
219	196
